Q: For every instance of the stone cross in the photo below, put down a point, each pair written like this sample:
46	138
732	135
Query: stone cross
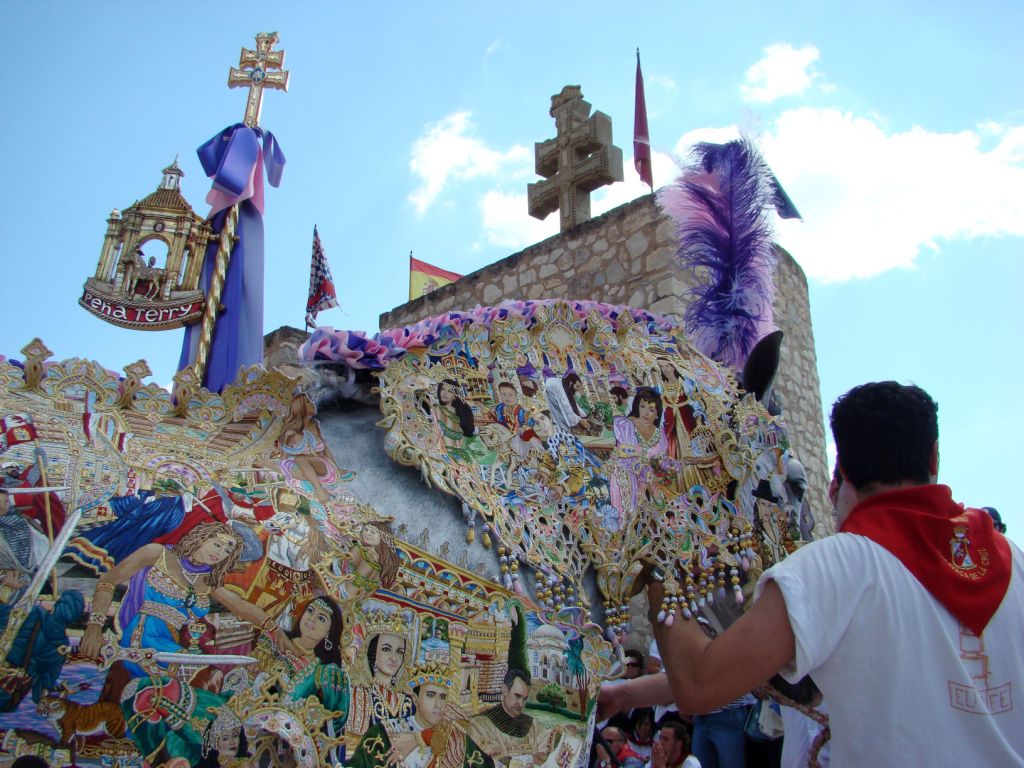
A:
577	161
254	72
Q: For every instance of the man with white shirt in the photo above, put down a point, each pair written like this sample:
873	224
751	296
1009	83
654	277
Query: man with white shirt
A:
908	619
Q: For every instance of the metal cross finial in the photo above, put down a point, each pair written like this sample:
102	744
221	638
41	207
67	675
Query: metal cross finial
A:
254	71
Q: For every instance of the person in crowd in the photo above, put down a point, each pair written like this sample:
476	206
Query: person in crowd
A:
625	756
672	749
634	663
642	732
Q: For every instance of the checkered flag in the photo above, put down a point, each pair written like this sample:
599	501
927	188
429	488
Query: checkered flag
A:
321	285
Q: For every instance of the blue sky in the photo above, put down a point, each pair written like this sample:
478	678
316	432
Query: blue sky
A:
897	128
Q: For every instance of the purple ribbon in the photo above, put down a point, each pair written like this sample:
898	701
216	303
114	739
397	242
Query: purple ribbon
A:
232	159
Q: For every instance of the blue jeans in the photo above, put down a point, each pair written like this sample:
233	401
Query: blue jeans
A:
718	738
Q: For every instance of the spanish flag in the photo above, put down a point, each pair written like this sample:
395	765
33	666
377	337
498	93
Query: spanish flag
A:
424	278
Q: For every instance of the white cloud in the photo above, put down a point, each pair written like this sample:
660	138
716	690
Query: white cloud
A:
507	223
448	150
698	135
663	169
497	45
874	200
664	82
783	71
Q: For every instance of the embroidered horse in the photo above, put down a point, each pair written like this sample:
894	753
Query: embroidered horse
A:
282	579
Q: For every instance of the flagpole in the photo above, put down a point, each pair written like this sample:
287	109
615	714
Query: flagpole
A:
410	275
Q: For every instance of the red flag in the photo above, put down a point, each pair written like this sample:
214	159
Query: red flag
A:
321	285
641	137
16	428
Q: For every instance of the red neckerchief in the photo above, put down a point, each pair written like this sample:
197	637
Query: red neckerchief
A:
955	552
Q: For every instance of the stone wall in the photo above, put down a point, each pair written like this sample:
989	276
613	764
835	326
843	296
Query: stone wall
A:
627	256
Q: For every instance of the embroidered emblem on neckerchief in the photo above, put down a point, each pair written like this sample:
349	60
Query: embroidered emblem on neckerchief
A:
954	551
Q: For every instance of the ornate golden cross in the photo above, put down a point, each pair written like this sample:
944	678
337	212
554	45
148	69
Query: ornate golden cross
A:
254	71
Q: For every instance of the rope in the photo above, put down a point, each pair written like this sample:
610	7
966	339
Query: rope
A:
808	711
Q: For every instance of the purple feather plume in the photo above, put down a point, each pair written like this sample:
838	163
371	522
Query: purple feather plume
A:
720	204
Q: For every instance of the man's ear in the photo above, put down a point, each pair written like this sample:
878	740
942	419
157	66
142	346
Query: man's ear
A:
933	461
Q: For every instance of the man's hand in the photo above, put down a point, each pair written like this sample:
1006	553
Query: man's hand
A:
655	594
659	758
403	744
92	641
705	674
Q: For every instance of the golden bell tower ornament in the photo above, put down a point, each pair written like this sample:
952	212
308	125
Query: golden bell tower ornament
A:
130	290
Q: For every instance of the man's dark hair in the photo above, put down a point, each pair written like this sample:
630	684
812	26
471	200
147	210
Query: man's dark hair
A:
514	674
997	519
680	732
29	761
884	433
636	656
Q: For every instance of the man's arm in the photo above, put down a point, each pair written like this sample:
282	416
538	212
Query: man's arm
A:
623	695
706	674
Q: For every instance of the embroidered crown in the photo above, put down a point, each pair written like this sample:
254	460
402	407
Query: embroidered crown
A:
434	673
378	621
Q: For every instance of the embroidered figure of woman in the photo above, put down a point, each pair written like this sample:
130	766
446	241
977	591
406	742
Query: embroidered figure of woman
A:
308	463
679	414
170	591
162	515
640	447
313	666
373	561
621	402
458	429
381	700
224	742
169	594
